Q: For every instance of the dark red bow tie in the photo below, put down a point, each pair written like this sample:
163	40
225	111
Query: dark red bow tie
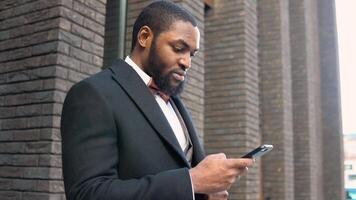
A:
155	90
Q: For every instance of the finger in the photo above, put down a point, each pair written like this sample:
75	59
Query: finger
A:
240	162
218	155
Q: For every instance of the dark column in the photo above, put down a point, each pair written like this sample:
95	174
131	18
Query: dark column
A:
231	87
306	100
276	99
330	103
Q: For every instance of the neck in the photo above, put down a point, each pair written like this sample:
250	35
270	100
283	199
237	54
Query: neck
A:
137	57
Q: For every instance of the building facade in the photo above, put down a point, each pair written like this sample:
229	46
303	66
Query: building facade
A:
350	160
267	72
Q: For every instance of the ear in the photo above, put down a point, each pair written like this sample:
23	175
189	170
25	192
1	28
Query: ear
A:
144	37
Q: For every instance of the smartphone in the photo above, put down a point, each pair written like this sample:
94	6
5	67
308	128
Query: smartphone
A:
259	151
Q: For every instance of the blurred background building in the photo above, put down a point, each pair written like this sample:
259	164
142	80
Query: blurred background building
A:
267	73
350	160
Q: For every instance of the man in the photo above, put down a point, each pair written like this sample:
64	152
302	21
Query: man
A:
125	132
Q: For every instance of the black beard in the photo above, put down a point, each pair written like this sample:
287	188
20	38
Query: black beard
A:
155	68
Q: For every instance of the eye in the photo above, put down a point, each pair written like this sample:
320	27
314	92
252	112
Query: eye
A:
178	48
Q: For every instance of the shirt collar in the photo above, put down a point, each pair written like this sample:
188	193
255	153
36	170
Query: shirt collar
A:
145	77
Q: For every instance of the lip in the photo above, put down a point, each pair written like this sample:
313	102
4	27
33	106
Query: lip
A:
180	76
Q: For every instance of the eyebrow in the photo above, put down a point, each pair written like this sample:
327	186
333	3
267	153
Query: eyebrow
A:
186	46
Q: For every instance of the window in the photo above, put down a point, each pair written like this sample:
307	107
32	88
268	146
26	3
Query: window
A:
348	167
352	177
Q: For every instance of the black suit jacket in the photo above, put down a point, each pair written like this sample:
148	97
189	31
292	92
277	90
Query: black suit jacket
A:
117	143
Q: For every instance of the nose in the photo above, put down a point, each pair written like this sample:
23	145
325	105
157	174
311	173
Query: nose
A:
185	61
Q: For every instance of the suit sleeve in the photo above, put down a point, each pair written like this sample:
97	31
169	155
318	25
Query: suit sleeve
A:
90	155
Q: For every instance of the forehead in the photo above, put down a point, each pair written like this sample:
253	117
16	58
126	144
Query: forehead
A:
183	31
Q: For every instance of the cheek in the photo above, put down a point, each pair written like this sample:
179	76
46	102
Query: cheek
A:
167	59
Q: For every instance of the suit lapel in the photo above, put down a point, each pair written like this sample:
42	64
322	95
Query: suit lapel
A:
136	89
198	153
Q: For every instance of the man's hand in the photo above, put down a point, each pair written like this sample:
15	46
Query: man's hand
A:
218	196
216	173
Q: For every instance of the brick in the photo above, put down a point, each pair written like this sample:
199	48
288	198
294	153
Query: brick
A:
68	14
38	147
10	195
65	24
36	172
49	84
45	48
5	184
24	160
50	186
18	76
29	63
84	10
98	61
88	69
92	48
81	55
50	160
24	185
41	196
21	87
99	40
96	5
28	135
6	112
80	31
10	172
70	38
100	18
50	134
5	159
94	26
67	3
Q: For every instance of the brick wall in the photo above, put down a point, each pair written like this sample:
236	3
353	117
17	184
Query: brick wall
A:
245	87
330	104
276	99
45	47
306	100
231	87
30	138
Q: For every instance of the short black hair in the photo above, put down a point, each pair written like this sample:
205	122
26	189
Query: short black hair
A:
159	16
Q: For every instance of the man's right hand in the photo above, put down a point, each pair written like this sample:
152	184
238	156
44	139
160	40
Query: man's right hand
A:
216	173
